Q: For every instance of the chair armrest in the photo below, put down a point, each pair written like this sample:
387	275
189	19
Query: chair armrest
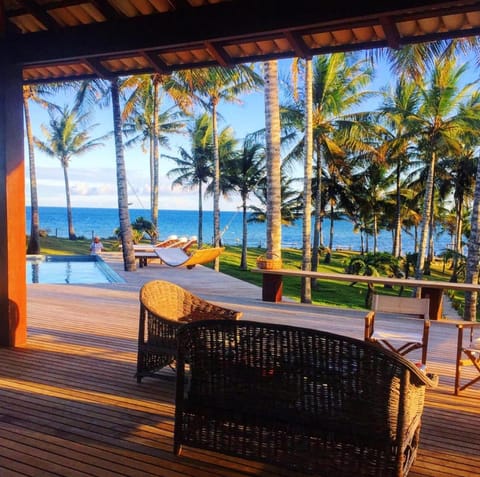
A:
468	325
369	324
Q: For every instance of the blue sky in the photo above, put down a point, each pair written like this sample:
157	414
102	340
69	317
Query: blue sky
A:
93	178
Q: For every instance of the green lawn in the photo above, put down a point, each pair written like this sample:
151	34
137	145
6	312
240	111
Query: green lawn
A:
326	292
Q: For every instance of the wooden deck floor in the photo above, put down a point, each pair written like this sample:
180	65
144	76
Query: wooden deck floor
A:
70	406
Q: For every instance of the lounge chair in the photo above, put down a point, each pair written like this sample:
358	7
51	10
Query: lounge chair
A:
175	257
164	308
144	252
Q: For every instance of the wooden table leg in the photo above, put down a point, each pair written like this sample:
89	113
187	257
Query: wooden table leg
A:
272	288
436	301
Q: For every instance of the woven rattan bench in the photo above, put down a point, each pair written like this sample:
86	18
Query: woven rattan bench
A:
303	399
164	308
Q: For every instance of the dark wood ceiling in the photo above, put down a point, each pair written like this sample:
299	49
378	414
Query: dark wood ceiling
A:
73	39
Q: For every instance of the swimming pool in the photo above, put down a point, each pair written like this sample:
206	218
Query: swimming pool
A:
70	269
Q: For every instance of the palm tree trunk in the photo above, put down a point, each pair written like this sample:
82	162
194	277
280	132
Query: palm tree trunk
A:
473	257
34	240
122	192
156	159
200	215
243	260
332	226
71	230
397	250
306	290
317	230
272	128
216	185
425	219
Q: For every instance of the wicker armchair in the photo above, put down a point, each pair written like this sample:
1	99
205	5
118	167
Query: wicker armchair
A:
303	399
164	308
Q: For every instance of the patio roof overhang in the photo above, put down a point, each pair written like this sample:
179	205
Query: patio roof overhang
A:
55	40
75	39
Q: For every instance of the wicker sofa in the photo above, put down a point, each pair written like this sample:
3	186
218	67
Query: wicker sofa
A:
164	308
303	399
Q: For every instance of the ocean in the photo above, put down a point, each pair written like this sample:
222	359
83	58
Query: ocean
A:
103	222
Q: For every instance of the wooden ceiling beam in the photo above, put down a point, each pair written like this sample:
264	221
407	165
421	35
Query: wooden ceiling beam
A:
391	32
106	9
157	64
40	14
298	45
231	22
220	55
221	21
97	67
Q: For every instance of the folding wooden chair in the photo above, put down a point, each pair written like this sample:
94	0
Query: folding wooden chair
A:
468	353
401	342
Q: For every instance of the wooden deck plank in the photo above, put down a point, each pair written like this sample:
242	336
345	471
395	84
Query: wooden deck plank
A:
70	406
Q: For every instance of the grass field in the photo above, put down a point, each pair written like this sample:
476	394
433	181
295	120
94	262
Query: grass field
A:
326	292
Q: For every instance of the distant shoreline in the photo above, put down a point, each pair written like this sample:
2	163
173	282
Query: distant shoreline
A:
103	222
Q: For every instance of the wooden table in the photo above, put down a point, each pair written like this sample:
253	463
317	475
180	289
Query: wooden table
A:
272	285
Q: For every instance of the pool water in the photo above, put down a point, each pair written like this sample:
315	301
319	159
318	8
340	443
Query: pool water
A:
70	269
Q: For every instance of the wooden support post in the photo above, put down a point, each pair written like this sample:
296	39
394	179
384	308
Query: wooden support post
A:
436	301
272	289
13	288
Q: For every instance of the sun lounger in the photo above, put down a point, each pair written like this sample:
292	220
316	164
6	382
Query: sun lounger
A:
173	241
176	257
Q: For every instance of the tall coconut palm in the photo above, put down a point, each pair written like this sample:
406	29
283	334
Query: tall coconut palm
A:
245	171
397	137
272	136
457	177
473	257
291	201
368	189
35	93
339	82
102	92
210	86
306	291
440	121
194	167
142	114
126	233
68	135
30	92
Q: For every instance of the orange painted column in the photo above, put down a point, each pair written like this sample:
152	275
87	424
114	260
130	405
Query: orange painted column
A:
13	288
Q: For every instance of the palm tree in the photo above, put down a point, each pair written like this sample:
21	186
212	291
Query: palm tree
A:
210	86
368	189
306	292
194	167
399	104
473	257
67	136
439	123
91	92
30	92
338	82
34	93
291	201
144	119
126	233
272	136
244	173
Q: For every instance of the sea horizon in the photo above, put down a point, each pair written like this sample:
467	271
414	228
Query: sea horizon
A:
89	221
